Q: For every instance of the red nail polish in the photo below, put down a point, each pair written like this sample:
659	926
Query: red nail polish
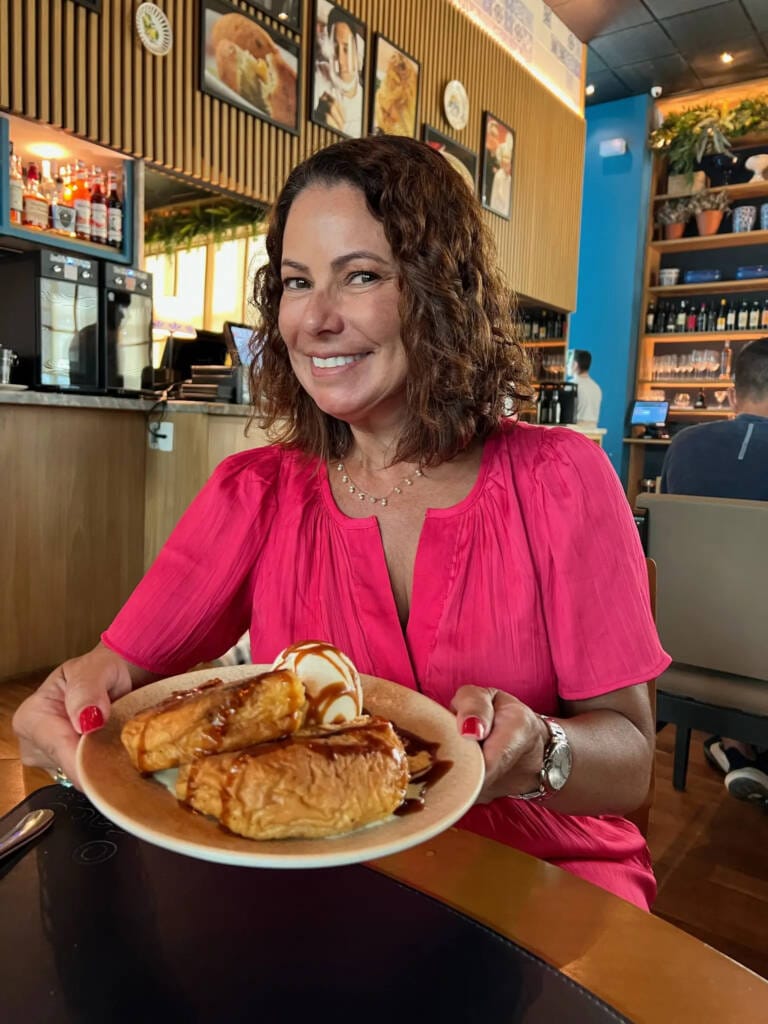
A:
91	718
473	727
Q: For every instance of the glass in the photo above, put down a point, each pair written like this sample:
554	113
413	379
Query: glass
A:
227	297
721	397
190	283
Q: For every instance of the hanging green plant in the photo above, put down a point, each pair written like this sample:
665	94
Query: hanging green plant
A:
181	227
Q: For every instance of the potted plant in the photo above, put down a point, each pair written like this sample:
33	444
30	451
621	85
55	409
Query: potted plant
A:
686	136
709	208
673	216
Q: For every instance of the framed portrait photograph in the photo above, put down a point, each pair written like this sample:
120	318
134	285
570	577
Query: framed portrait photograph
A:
337	86
394	89
287	12
247	63
496	173
459	157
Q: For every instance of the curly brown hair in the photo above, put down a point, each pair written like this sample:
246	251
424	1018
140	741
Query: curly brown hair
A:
466	366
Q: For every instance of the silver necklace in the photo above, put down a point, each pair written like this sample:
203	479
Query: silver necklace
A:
353	488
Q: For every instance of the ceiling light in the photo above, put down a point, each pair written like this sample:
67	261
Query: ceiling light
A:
726	58
48	150
590	90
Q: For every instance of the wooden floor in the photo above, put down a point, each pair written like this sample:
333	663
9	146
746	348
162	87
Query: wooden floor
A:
710	851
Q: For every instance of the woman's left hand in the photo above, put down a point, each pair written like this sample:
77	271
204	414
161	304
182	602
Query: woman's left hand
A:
513	739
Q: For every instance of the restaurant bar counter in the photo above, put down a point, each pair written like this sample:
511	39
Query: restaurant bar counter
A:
86	505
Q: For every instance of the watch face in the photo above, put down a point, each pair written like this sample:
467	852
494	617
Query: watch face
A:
559	765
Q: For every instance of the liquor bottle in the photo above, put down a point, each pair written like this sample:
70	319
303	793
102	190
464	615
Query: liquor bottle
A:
650	318
62	209
701	319
660	321
711	318
691	320
671	319
764	316
681	318
730	319
722	315
725	360
98	208
544	325
47	187
754	316
534	326
35	207
81	195
16	190
742	321
701	402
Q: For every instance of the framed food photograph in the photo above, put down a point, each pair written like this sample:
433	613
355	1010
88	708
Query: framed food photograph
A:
459	157
249	64
287	12
496	173
394	89
337	85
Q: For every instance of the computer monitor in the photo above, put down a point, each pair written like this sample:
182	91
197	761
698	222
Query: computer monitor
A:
649	414
207	348
237	338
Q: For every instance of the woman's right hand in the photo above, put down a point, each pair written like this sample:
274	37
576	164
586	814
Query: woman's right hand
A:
74	699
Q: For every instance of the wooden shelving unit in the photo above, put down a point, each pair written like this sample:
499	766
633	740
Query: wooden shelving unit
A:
691	382
545	343
697	336
726	240
746	190
754	284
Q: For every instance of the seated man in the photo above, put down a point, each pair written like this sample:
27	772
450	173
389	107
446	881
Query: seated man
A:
729	459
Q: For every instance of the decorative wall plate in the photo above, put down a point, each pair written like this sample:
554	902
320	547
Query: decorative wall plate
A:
456	105
154	29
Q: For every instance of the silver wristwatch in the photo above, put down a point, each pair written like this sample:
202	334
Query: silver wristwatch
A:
557	763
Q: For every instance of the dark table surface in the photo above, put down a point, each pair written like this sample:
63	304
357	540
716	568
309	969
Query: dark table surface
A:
96	926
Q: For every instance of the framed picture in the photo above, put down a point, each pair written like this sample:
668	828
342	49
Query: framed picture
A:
337	92
247	63
394	89
287	12
459	157
496	174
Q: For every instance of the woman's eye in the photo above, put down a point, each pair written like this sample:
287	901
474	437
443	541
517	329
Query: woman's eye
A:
363	277
295	283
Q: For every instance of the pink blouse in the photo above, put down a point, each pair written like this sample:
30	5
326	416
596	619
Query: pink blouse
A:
534	584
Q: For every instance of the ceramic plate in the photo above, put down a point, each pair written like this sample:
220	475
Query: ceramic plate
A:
154	29
456	105
145	808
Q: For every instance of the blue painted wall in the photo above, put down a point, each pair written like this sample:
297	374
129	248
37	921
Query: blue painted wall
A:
611	256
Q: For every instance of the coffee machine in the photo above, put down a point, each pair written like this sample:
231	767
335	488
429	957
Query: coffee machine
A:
50	303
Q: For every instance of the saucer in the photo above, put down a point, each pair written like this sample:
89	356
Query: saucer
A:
14	387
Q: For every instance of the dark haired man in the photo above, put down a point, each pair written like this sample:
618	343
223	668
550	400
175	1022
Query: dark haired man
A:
729	459
589	395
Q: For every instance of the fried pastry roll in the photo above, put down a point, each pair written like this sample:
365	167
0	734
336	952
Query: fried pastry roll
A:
320	782
214	718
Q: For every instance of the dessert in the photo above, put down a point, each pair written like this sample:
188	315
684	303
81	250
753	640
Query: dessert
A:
331	681
214	718
320	782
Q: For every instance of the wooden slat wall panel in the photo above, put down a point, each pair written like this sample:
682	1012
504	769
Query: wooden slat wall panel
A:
90	75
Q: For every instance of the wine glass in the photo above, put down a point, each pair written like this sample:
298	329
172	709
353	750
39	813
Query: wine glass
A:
720	398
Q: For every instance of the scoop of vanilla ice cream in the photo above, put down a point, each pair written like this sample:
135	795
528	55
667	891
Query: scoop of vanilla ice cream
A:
334	693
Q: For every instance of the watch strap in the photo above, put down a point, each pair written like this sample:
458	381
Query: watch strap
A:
556	735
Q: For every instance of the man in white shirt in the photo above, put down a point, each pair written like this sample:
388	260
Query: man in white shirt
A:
589	395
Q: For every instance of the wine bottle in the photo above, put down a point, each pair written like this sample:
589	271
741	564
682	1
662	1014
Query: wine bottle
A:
650	317
764	316
701	319
742	321
681	318
725	360
722	315
730	318
711	318
701	402
754	316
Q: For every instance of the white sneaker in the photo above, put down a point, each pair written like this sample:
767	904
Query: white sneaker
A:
748	784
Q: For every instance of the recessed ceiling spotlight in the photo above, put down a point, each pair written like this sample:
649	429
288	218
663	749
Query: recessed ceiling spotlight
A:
726	58
590	90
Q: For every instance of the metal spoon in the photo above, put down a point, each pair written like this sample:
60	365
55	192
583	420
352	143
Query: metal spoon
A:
31	825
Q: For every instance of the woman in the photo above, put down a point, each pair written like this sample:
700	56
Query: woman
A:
493	565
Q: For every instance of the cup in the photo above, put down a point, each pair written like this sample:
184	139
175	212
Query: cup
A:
744	218
669	276
764	217
7	359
